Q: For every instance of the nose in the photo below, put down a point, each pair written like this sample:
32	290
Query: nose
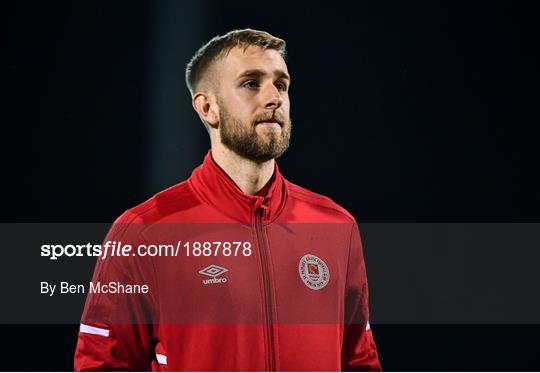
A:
272	97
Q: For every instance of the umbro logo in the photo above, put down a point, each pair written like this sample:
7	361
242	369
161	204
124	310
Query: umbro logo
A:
213	271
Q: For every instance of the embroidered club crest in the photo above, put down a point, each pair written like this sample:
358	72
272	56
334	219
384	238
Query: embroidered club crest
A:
313	272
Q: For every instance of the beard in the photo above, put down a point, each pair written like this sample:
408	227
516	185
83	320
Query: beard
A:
243	139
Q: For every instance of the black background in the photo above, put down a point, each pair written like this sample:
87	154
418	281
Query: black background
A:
402	112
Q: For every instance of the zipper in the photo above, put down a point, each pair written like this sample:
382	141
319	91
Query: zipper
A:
259	211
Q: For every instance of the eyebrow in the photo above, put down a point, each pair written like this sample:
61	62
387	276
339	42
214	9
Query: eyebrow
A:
258	72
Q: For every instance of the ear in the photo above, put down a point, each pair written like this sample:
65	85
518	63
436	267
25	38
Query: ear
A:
205	105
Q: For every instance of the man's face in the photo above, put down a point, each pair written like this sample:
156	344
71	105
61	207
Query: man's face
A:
253	102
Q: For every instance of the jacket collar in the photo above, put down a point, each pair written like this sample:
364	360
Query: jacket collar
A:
216	188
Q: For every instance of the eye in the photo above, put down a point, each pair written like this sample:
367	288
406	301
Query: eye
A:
281	86
250	84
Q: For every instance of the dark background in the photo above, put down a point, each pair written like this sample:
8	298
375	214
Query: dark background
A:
402	112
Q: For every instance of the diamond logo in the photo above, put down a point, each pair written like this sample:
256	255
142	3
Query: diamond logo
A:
213	271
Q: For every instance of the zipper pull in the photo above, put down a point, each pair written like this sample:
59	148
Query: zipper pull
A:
261	205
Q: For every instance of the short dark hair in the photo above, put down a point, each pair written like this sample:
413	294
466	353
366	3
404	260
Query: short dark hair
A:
222	44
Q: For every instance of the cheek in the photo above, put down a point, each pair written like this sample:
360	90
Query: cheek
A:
239	112
241	104
286	105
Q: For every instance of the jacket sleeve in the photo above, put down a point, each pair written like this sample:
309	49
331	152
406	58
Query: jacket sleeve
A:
115	331
359	352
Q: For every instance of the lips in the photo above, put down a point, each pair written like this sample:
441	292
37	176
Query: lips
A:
270	122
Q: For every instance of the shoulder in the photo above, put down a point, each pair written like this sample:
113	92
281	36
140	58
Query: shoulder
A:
318	203
162	206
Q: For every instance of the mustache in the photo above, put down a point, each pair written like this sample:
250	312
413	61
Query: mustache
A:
275	117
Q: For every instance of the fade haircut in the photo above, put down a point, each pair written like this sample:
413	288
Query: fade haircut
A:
220	46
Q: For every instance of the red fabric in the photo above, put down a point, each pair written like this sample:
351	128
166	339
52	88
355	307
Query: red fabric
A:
263	316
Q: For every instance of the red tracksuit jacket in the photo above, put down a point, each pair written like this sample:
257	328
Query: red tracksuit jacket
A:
251	283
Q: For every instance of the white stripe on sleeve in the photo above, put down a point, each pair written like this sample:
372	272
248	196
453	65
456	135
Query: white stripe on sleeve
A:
93	330
161	359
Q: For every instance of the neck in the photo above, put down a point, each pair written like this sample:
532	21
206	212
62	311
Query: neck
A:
251	177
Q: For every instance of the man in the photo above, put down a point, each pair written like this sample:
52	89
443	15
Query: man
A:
292	294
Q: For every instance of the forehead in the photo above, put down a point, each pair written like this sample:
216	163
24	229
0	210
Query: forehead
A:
240	59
